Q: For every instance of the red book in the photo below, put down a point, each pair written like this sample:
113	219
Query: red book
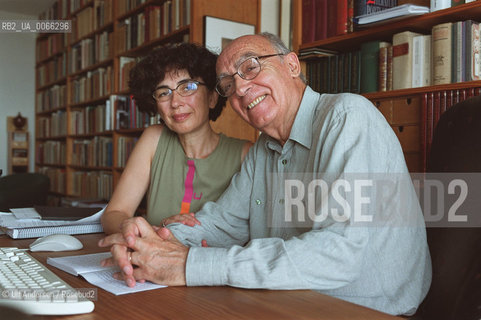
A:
436	109
308	21
424	112
341	18
332	17
321	19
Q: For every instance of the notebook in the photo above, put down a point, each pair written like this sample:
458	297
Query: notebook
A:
88	266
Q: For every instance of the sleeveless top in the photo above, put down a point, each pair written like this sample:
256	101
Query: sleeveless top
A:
179	184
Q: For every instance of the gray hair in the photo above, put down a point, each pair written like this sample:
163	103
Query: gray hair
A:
280	47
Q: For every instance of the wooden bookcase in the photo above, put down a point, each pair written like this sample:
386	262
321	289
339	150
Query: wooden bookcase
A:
404	109
65	68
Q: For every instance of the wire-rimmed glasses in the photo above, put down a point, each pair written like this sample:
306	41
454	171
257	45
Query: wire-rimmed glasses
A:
184	89
247	70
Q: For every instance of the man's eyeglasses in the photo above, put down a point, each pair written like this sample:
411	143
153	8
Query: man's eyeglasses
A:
247	70
185	89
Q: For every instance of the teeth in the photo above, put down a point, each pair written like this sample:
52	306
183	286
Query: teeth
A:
255	102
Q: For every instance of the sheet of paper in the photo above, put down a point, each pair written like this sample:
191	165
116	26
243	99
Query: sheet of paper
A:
25	213
79	264
105	280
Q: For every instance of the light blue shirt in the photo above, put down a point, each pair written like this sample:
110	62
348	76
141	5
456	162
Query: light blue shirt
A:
382	266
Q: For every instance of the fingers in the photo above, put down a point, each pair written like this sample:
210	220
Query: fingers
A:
204	243
135	227
120	255
186	219
108	241
165	234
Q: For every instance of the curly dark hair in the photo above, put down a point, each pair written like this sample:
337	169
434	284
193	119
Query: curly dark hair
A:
198	61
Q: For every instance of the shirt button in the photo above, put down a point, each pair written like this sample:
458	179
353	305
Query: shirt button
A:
281	201
284	162
258	201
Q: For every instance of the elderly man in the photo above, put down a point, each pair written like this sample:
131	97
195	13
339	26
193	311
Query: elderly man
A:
257	232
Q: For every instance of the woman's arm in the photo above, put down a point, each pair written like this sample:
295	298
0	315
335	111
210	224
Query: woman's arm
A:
133	183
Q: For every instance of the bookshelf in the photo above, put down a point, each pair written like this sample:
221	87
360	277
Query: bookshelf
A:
411	112
86	122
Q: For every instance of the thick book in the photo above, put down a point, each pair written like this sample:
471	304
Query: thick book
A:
370	65
308	20
440	5
442	53
362	7
473	47
88	266
421	70
402	59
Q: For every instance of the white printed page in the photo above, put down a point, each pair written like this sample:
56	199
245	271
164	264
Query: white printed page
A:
80	264
105	280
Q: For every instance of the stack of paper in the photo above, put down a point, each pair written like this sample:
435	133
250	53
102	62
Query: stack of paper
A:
388	15
25	224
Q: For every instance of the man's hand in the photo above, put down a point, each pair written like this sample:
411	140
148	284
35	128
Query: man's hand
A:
159	257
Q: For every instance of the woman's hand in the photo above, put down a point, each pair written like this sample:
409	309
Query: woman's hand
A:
187	219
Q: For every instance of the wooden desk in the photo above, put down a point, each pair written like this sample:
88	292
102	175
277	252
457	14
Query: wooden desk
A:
202	302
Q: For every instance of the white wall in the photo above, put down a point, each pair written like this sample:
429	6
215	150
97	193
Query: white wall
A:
17	84
270	16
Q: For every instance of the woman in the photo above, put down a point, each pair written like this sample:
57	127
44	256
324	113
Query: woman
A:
181	163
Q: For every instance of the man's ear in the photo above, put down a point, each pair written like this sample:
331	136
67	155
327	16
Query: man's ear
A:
293	63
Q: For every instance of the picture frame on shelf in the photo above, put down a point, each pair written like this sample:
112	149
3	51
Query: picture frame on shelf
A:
218	33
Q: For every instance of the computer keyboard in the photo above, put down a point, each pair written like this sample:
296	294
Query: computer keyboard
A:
27	285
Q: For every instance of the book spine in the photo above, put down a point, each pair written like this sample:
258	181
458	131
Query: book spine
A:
383	69
417	70
442	44
308	20
342	16
440	5
402	59
389	69
356	72
455	3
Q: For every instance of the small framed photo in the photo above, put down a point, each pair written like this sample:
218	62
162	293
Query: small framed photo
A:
220	32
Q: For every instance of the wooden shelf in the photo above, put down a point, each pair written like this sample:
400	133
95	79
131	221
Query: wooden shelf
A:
384	32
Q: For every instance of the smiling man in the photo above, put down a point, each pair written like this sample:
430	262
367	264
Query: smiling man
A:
252	242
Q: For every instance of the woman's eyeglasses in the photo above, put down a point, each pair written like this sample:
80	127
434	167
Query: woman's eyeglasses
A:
184	89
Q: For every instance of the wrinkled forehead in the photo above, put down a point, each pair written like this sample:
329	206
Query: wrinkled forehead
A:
239	50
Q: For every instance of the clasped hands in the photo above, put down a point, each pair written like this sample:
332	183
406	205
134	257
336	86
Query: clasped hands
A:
145	252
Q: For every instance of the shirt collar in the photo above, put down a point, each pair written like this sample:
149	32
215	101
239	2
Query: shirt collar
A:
301	131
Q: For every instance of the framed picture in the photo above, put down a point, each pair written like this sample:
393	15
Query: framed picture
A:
218	33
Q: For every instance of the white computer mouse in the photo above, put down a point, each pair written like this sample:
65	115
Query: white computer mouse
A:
56	242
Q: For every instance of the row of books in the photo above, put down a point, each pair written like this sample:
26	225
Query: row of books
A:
57	178
96	152
449	55
91	184
54	125
128	115
91	119
51	45
434	105
94	84
323	19
52	71
125	146
91	51
125	65
52	98
335	73
51	152
154	22
61	9
90	19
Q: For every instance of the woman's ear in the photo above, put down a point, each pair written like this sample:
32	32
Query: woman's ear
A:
214	96
293	64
